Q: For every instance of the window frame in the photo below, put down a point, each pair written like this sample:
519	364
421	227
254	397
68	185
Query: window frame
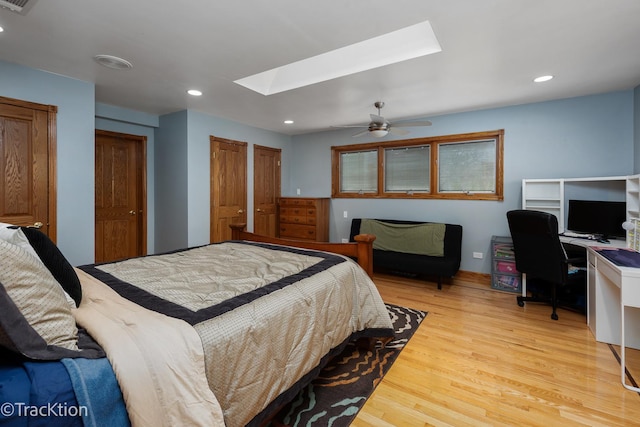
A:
433	142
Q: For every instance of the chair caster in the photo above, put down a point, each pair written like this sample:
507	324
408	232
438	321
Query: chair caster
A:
554	316
520	302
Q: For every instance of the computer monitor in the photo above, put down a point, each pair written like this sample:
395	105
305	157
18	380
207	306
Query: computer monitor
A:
598	217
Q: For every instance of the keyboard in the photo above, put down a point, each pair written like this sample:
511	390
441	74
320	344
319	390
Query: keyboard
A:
578	235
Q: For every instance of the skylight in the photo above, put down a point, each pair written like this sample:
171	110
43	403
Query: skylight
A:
397	46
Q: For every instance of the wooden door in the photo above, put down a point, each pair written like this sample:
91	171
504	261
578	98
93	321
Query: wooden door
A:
228	186
27	164
266	189
120	196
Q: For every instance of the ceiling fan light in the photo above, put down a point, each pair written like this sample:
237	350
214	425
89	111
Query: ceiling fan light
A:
379	133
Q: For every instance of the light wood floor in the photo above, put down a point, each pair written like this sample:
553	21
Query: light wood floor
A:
480	360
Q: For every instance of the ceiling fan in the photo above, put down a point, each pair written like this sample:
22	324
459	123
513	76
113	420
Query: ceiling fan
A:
379	126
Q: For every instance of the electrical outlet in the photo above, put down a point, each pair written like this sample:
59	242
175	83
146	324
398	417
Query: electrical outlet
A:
345	240
345	214
478	255
298	191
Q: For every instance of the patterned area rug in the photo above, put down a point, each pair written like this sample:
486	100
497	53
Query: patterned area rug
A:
344	385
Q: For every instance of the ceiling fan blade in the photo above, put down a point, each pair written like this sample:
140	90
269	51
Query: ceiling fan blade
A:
412	124
395	131
361	133
377	119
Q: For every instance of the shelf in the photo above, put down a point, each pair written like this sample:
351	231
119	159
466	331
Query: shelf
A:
548	195
535	206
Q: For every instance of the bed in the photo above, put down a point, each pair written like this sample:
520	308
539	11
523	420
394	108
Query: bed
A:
221	334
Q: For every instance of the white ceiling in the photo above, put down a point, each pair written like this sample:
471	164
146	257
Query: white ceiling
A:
491	51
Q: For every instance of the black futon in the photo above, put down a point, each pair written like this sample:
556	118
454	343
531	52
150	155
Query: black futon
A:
399	262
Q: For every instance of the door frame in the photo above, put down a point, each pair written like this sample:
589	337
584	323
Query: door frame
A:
141	170
52	199
213	202
278	183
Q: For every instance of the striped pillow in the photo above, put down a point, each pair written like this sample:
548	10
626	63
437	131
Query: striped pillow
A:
35	318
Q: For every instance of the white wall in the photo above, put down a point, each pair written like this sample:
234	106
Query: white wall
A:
586	136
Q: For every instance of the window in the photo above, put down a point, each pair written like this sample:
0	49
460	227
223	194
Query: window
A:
407	169
466	166
358	172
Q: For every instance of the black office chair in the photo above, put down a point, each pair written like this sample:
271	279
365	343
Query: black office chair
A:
540	255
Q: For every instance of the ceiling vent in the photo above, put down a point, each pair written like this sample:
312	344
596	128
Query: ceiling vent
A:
18	6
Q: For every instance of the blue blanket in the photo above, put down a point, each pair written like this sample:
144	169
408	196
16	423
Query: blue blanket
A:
37	394
97	390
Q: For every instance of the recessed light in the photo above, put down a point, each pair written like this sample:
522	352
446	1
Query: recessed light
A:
288	122
542	79
114	62
194	92
1	29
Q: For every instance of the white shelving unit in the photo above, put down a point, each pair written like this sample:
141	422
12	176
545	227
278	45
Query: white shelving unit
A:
548	195
633	196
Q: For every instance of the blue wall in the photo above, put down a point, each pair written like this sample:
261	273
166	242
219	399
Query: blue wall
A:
596	135
171	182
578	137
75	100
183	196
201	126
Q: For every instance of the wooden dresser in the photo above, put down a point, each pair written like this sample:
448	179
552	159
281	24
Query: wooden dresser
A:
303	218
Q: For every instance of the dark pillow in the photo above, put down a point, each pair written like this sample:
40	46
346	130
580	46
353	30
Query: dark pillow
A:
57	264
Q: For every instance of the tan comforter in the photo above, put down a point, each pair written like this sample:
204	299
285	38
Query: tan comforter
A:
256	350
158	360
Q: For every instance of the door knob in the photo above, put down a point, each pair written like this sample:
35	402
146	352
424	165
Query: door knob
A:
36	225
132	212
258	210
240	211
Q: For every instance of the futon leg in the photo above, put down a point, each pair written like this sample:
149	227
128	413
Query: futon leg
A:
439	282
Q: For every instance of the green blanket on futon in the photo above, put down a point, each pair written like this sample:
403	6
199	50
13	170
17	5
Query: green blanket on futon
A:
421	239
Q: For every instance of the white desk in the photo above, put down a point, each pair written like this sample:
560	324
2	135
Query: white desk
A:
612	289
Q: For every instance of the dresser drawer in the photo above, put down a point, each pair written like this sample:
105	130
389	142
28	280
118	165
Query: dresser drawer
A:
297	202
292	211
293	219
297	231
286	210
